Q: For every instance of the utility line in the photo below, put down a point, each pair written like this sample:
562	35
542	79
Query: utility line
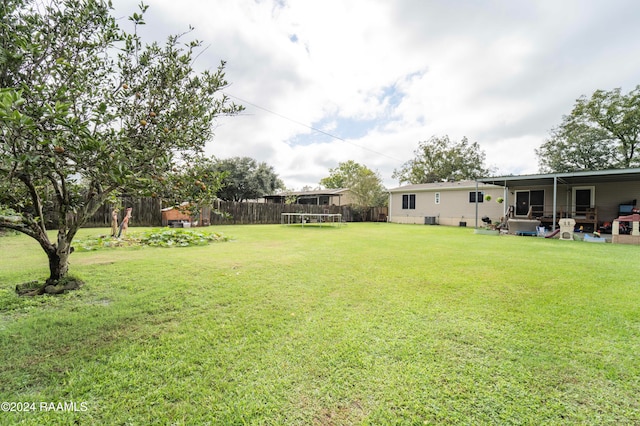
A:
244	101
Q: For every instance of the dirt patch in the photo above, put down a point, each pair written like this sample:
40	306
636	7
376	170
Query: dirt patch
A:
342	415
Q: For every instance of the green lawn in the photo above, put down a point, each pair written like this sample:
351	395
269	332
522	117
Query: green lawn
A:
365	324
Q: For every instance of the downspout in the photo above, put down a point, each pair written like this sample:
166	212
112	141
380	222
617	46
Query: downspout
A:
476	203
390	207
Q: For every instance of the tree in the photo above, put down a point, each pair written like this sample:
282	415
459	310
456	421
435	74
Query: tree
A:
440	159
246	179
364	184
342	176
602	132
88	112
289	197
194	182
367	189
574	148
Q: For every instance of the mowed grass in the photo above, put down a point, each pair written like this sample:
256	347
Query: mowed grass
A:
365	324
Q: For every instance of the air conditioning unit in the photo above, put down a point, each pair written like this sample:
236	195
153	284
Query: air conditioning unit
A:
430	220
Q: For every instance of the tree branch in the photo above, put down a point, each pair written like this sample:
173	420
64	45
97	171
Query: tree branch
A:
35	198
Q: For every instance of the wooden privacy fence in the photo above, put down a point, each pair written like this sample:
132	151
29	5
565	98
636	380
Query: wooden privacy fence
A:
147	212
230	212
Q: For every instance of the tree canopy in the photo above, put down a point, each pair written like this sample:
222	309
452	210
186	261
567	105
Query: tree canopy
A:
440	159
364	184
88	112
601	132
571	148
246	179
342	176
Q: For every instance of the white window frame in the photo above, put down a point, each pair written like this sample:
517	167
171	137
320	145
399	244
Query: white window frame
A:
573	196
409	197
479	197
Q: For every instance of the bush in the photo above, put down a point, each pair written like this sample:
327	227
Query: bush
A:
178	238
165	237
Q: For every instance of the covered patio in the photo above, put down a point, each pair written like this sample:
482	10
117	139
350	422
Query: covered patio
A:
592	198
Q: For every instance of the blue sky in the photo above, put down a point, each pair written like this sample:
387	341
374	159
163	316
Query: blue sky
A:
381	75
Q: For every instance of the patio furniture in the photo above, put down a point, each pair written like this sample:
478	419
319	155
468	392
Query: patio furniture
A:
523	226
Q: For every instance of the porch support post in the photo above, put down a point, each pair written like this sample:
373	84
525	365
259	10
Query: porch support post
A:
555	201
505	196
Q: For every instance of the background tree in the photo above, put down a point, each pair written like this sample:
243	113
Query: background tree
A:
439	159
87	112
289	197
342	176
194	182
367	189
246	179
602	132
364	184
573	148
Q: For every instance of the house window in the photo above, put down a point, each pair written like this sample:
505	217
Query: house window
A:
473	196
583	198
437	198
409	201
530	202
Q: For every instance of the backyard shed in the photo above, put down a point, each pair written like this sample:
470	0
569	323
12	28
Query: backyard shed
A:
180	217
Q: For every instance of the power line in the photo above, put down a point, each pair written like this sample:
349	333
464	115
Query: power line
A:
310	127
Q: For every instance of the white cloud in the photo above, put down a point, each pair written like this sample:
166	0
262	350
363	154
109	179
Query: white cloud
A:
500	72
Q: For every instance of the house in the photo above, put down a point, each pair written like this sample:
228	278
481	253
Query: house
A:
319	197
593	199
446	203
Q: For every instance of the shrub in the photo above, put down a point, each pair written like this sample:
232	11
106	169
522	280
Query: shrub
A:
164	237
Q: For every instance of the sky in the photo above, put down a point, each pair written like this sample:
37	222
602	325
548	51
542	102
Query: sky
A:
327	81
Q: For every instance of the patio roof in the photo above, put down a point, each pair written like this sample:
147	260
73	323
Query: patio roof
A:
570	178
555	179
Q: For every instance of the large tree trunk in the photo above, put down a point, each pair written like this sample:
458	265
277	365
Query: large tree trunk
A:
58	255
58	268
58	265
59	258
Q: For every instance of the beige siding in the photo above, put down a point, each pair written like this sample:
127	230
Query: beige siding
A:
343	199
610	195
454	206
